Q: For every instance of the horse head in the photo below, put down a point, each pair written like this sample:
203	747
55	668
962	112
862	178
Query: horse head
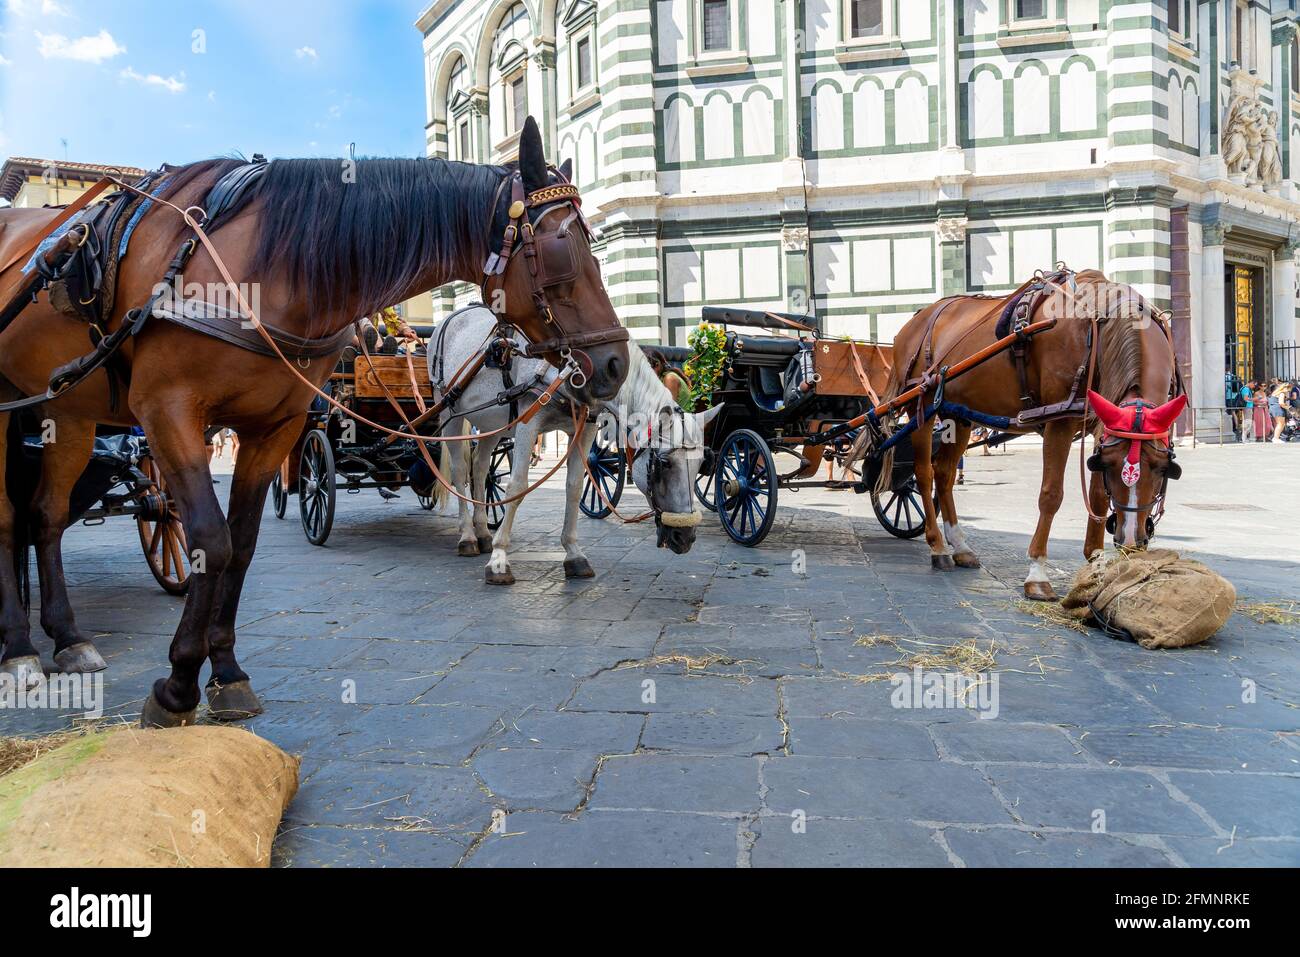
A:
668	452
1136	462
543	278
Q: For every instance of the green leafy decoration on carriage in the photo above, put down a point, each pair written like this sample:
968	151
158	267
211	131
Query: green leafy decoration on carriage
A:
704	368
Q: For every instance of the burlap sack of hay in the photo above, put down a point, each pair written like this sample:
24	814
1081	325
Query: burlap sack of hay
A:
1159	598
202	796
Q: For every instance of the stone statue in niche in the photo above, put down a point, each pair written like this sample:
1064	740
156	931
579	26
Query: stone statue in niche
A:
1250	142
1270	154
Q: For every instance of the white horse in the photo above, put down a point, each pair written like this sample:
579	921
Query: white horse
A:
667	442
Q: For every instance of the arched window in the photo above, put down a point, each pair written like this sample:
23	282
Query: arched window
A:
508	75
459	133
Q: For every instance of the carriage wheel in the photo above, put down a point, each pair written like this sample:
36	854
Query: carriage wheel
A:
162	536
901	511
316	487
503	463
704	490
608	465
745	486
279	496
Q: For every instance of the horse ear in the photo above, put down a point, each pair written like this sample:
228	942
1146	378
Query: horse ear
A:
1158	420
708	415
532	161
1110	414
566	170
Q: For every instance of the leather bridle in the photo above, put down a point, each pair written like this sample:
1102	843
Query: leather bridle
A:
1114	437
552	259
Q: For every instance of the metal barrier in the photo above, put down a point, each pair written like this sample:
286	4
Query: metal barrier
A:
1286	359
1221	417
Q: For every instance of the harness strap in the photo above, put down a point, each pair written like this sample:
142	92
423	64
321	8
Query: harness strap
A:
71	210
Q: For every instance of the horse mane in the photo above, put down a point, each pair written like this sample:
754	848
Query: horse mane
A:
1122	349
642	390
365	238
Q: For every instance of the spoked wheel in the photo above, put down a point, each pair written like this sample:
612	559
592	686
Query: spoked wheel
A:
498	477
279	495
316	487
901	511
608	465
704	490
745	486
161	534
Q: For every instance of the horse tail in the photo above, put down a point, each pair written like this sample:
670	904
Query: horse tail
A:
20	483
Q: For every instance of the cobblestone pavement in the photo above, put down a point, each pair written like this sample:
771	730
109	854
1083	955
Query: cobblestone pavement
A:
721	709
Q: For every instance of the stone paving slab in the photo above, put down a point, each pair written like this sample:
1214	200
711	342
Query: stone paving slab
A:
720	709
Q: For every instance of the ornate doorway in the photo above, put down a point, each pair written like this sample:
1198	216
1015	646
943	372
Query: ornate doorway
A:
1244	323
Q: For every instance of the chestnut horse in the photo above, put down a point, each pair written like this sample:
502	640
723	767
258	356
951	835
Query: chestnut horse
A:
321	242
1107	338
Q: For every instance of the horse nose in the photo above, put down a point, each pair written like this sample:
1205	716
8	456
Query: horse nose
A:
609	365
616	370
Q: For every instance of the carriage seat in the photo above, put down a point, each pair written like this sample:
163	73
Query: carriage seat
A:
772	351
772	365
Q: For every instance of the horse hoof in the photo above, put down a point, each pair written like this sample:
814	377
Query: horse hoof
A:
25	673
942	563
966	560
233	702
154	715
578	568
467	549
506	577
1039	591
485	545
79	659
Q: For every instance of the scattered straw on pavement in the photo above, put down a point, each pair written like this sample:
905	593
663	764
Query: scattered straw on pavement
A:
1270	612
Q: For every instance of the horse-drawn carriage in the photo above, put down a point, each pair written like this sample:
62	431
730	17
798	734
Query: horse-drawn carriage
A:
120	480
780	395
337	451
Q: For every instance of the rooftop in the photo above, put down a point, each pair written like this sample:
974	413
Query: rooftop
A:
17	169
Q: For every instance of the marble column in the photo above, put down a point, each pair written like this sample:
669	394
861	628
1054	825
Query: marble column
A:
952	245
1208	382
1284	293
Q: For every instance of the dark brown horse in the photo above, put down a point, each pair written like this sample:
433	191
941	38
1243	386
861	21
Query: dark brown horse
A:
322	242
1107	337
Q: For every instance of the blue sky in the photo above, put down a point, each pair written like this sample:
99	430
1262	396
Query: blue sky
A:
131	82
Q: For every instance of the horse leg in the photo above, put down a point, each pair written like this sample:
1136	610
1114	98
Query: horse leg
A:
230	696
575	559
498	569
1056	455
65	458
945	474
459	473
1095	539
19	662
176	442
480	462
940	553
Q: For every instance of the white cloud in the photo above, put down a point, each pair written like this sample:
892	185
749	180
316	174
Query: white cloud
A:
171	84
212	96
303	53
96	49
4	61
28	7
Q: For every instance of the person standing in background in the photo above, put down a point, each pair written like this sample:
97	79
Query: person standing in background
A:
1279	399
1259	412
